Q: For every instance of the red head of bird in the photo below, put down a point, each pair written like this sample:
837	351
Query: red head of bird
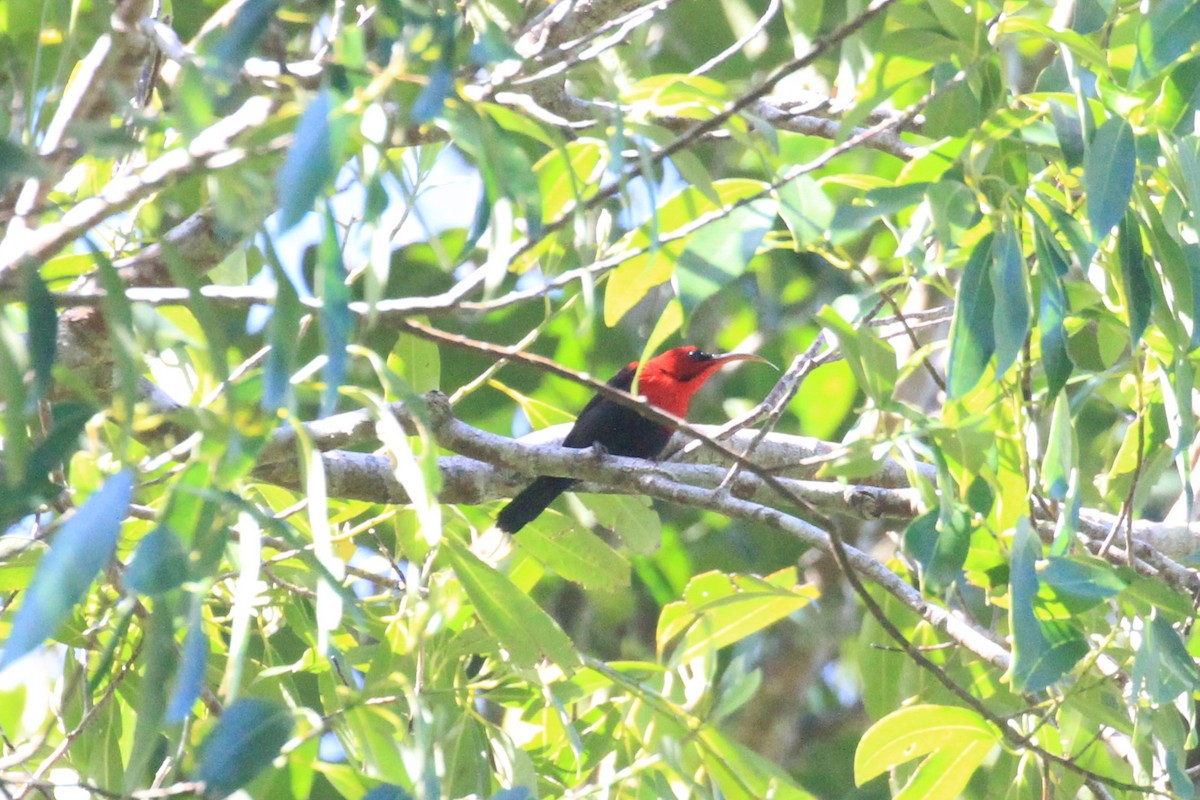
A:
670	379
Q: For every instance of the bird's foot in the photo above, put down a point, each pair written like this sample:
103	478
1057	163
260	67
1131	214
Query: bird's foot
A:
598	451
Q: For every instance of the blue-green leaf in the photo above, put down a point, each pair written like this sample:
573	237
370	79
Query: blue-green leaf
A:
189	680
972	336
1108	170
285	322
1052	312
63	440
1010	318
336	321
518	623
16	162
1082	577
247	28
82	547
247	738
1069	132
805	210
1169	30
309	165
1135	276
718	253
1043	651
159	564
1163	668
43	331
1058	465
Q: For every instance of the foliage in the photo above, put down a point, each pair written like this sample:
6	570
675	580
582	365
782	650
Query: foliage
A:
247	549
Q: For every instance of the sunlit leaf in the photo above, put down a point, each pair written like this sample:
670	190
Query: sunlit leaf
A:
577	555
521	626
718	610
954	740
872	360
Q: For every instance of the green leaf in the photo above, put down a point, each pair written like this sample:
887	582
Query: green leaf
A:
953	208
577	555
244	33
159	564
19	557
1069	132
1058	465
159	659
631	517
1168	30
43	330
282	336
1042	651
69	421
1108	171
1082	576
81	548
1163	668
243	743
1135	276
939	546
720	609
519	624
309	165
189	679
953	111
879	202
570	175
633	279
972	336
805	210
872	360
16	162
955	741
717	254
336	322
1010	318
742	774
418	361
1052	313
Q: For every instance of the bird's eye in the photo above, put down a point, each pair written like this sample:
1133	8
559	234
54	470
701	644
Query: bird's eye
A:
699	355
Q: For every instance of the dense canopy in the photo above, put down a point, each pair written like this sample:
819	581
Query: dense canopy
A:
295	293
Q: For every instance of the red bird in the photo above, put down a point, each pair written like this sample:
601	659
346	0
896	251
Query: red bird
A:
668	381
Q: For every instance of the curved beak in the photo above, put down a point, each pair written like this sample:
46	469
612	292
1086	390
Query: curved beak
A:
726	358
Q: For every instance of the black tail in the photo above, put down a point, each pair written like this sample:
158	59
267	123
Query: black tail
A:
531	502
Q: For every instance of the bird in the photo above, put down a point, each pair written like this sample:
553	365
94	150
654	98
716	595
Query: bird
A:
668	381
